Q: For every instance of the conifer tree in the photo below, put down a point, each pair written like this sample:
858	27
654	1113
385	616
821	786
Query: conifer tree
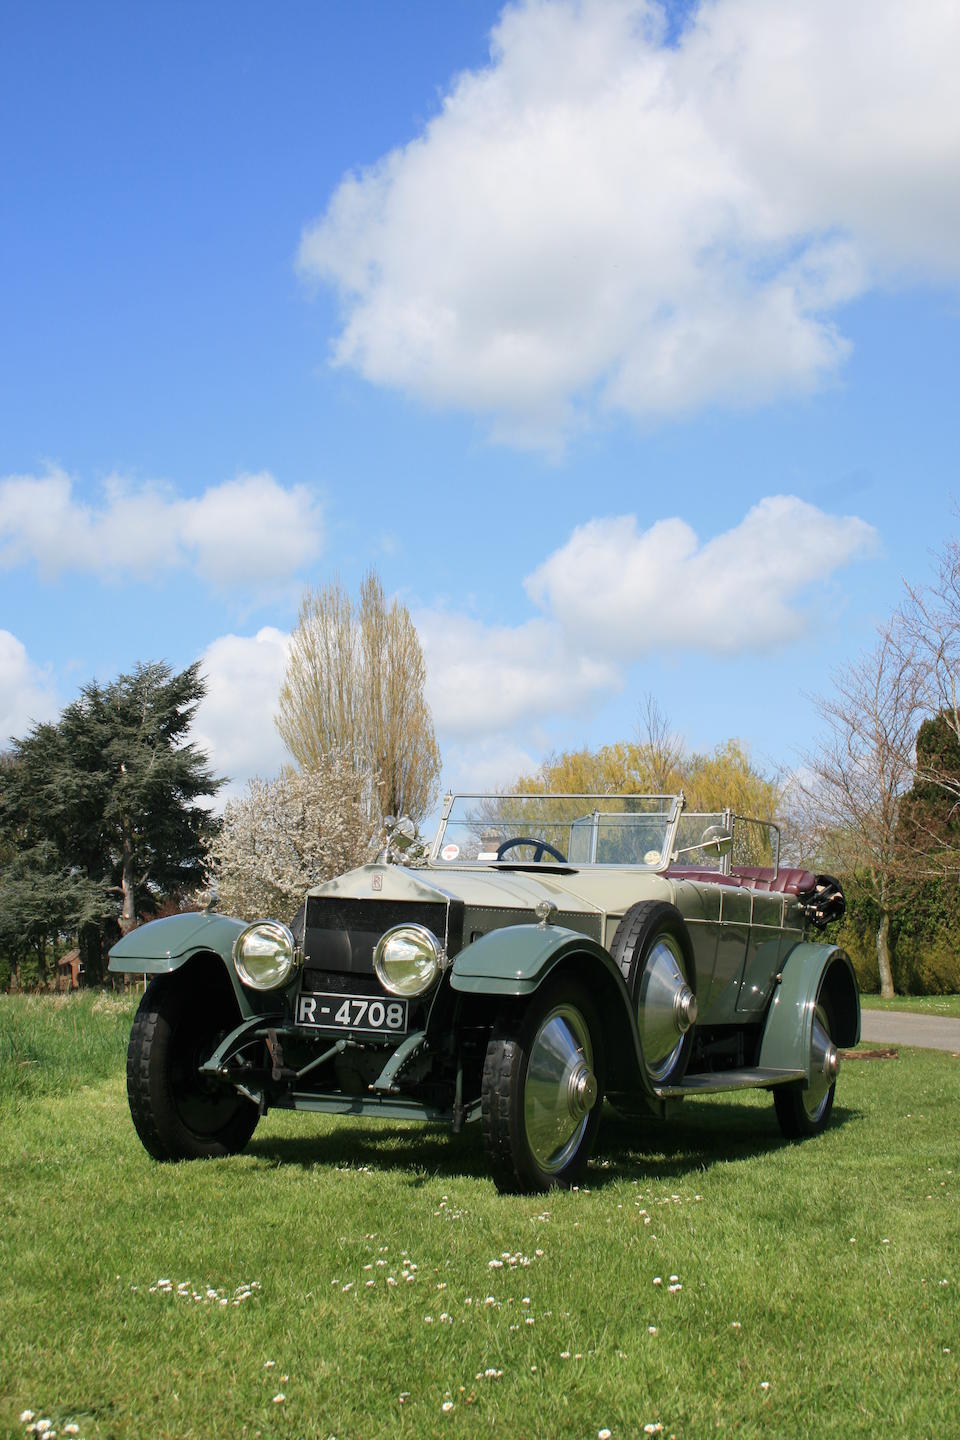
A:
104	800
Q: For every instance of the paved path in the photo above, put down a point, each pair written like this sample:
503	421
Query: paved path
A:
900	1027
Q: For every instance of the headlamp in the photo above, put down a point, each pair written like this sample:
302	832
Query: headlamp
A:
408	959
265	955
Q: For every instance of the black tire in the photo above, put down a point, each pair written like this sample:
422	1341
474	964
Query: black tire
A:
645	927
179	1114
803	1112
542	1091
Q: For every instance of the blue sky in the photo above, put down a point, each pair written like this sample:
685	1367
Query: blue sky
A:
623	343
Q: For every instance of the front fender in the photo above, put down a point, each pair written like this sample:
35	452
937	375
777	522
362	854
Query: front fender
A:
162	947
515	960
809	973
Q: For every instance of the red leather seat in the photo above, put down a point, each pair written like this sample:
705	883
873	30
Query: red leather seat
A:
752	877
781	882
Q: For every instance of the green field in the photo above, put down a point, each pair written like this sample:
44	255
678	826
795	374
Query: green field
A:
371	1275
916	1004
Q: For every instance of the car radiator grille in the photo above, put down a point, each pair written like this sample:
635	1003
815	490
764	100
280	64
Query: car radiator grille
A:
333	982
340	935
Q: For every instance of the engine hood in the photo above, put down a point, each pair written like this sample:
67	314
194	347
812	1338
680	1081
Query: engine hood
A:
478	889
592	893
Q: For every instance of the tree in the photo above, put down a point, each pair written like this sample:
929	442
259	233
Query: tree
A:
109	792
354	686
853	788
662	747
655	762
650	764
41	899
929	820
284	835
726	777
929	623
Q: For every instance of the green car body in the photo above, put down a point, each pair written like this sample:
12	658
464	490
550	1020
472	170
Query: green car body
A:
627	955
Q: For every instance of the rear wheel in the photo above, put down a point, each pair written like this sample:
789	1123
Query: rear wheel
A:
652	947
542	1090
804	1110
178	1113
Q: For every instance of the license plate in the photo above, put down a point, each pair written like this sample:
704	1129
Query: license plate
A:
353	1012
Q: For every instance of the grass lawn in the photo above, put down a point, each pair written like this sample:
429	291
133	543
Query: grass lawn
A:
916	1004
371	1276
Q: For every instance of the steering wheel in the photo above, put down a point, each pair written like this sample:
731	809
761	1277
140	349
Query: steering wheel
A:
539	846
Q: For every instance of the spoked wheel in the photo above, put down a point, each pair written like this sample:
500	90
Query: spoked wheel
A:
542	1090
178	1113
652	947
804	1110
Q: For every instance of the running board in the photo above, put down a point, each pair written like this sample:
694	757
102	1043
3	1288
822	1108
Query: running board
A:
718	1081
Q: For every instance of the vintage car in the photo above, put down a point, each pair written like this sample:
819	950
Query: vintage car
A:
548	952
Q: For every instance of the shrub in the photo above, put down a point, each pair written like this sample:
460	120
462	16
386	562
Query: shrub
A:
29	974
927	966
862	949
282	836
925	938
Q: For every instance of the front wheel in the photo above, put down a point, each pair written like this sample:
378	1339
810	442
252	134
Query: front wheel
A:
178	1113
542	1090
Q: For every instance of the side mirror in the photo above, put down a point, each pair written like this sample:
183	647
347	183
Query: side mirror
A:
716	841
402	832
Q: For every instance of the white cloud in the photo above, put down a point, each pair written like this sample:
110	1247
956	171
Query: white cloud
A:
488	763
619	590
599	220
614	593
235	721
250	532
488	679
27	694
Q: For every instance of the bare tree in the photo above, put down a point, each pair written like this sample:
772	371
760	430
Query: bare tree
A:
354	684
662	748
854	783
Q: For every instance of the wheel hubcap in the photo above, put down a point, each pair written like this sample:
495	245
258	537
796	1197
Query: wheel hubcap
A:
824	1064
582	1092
666	1006
561	1088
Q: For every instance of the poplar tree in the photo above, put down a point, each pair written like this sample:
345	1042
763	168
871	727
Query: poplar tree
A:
354	686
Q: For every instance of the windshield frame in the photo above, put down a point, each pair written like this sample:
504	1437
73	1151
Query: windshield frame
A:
672	809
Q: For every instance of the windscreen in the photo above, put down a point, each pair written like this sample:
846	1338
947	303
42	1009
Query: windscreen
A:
557	829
